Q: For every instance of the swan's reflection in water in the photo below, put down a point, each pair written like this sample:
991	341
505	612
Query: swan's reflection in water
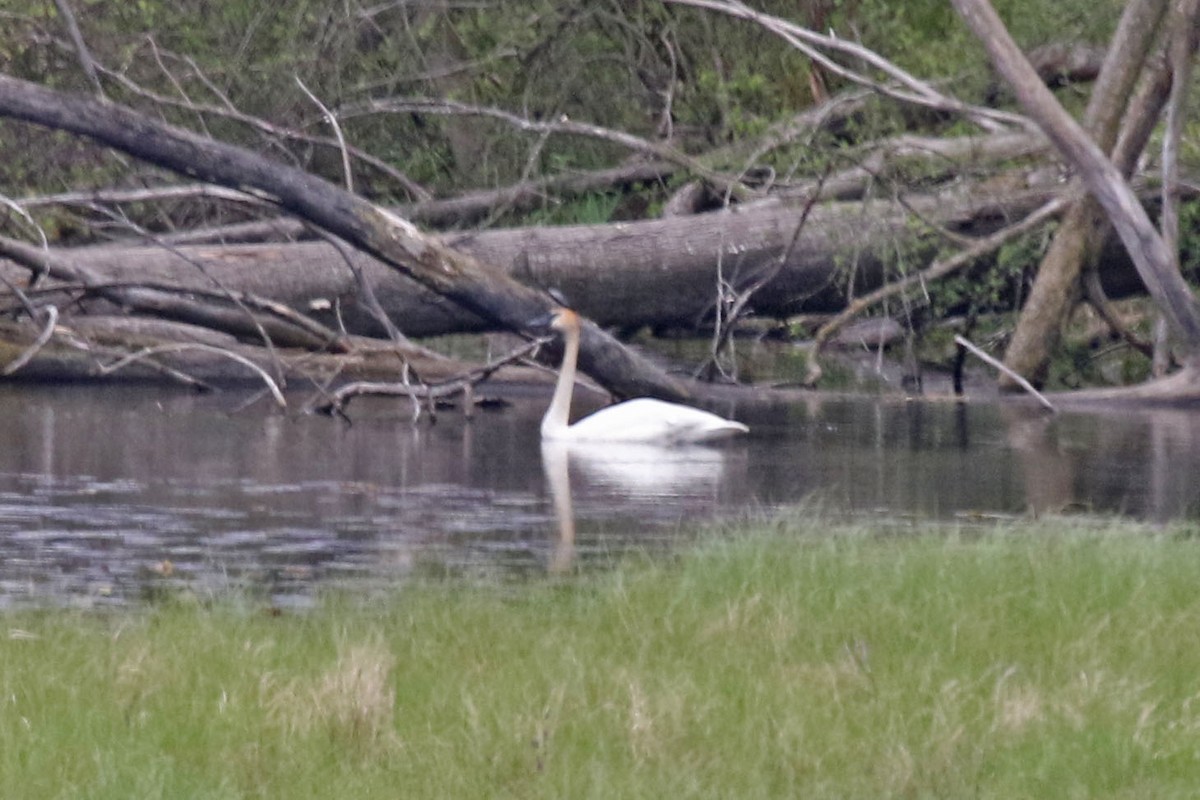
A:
635	473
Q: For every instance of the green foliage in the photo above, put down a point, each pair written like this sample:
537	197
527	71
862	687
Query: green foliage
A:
998	285
613	64
1189	239
591	209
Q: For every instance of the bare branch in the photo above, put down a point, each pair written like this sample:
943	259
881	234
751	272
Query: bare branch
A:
417	191
81	48
939	269
19	209
915	91
562	126
724	328
1182	48
1155	264
148	195
469	208
179	302
337	129
456	276
1024	384
147	352
335	402
38	343
368	293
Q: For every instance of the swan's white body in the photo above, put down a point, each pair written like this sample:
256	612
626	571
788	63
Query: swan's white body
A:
640	420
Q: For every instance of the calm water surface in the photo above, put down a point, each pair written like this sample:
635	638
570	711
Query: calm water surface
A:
108	494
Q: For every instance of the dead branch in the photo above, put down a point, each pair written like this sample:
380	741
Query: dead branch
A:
228	111
331	118
336	402
727	322
936	159
155	194
562	126
86	62
395	241
1147	248
468	208
252	316
914	91
58	365
939	269
121	363
38	343
1024	384
1181	49
601	267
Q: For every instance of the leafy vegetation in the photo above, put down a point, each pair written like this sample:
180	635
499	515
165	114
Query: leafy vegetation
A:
1046	660
609	63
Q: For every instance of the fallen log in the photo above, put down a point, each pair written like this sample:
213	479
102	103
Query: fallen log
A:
459	278
657	272
86	348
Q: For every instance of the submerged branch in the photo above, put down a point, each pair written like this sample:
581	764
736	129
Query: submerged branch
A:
147	352
335	402
1024	384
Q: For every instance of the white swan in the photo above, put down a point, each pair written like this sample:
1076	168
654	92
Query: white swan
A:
640	420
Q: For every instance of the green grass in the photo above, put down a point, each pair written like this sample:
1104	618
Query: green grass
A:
1045	661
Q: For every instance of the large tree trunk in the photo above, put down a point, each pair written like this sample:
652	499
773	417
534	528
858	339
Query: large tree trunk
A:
453	275
659	273
1084	226
1155	263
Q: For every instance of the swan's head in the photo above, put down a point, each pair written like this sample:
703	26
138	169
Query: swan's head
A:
559	319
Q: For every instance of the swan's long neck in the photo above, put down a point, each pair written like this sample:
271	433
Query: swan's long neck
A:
555	421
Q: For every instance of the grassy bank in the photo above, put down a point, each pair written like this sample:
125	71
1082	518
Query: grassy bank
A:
1031	663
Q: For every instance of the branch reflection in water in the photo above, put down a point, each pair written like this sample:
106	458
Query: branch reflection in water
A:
630	471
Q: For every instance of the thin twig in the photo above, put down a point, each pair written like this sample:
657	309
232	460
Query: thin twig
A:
915	91
563	125
414	189
21	296
146	195
936	270
725	327
232	296
38	343
347	171
220	351
74	339
81	49
335	402
18	208
370	300
307	331
1024	384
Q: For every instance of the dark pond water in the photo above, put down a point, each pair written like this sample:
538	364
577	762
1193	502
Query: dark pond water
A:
107	495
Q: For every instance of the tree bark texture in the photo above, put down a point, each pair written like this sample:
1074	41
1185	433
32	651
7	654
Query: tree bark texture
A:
393	240
662	272
1154	263
1084	226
